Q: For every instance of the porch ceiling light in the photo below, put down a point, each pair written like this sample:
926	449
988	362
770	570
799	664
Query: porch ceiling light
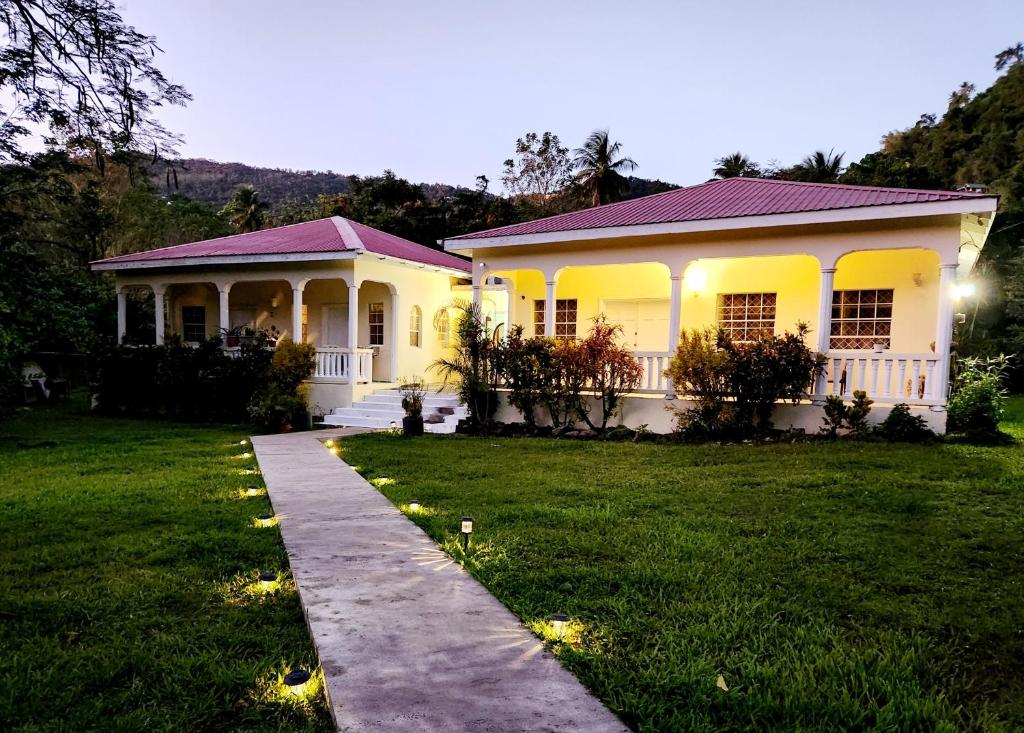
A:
696	279
964	290
296	681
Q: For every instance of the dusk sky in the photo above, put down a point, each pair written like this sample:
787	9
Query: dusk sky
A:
439	91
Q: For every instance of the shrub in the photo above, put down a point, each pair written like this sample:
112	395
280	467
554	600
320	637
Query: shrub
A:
473	365
611	371
903	427
835	415
282	402
978	396
711	369
526	368
413	391
853	417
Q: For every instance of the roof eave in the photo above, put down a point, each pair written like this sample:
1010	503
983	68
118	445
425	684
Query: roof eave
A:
115	264
974	204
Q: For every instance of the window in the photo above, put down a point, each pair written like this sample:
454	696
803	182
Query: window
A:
443	326
746	316
376	324
193	322
565	318
861	319
415	326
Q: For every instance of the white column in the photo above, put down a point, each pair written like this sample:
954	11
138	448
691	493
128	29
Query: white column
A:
476	296
353	333
944	331
225	319
158	312
297	313
549	309
673	314
122	315
828	275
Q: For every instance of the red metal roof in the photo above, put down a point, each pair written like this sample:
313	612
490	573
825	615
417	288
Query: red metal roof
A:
724	199
322	235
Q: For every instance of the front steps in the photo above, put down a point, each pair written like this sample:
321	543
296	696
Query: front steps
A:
383	409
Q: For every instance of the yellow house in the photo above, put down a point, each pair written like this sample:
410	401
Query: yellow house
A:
874	272
376	306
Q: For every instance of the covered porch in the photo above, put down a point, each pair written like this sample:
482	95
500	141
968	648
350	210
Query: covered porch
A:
883	317
352	323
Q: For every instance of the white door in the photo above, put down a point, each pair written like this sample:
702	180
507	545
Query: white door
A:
242	318
334	325
644	322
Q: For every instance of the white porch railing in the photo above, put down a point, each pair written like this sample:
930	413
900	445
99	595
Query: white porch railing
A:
336	362
654	364
885	377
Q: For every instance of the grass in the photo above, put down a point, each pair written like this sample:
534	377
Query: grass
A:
845	586
128	560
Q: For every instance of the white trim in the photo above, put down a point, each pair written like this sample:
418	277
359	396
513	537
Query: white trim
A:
981	204
223	260
347	233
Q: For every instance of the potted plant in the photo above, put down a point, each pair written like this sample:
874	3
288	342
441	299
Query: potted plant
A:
412	393
273	334
232	336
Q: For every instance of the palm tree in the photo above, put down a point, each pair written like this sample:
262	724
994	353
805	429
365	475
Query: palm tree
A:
245	210
820	167
599	170
736	165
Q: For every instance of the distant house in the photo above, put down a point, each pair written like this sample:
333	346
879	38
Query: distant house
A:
873	271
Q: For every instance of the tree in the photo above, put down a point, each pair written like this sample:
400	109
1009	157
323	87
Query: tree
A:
1010	57
819	167
736	165
540	169
245	210
599	169
76	68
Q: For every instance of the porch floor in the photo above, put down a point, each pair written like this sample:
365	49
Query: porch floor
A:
407	639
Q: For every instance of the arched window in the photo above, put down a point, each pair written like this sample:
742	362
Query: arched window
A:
443	326
415	326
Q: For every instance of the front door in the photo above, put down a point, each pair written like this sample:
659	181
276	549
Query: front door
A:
644	322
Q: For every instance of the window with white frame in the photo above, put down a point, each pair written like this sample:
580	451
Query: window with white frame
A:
746	316
376	324
443	326
415	326
861	319
193	322
565	318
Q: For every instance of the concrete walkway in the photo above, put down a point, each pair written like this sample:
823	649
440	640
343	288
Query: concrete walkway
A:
407	639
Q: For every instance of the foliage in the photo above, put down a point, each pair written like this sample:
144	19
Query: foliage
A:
736	165
413	391
611	371
245	210
540	169
979	394
710	368
857	414
835	415
901	426
835	583
526	367
818	167
473	365
599	169
280	401
75	67
852	417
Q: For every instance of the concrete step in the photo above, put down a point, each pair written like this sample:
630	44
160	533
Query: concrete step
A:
432	400
383	409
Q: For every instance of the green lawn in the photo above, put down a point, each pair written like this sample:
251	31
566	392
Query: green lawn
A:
127	599
843	586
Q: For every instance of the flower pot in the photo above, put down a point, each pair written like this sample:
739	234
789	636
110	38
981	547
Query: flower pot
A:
879	348
233	341
412	426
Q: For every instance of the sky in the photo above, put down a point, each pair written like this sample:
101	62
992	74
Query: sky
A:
439	91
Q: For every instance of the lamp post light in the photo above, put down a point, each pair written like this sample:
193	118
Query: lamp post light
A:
467	530
264	520
329	443
243	441
252	490
558	623
414	506
267	580
296	681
